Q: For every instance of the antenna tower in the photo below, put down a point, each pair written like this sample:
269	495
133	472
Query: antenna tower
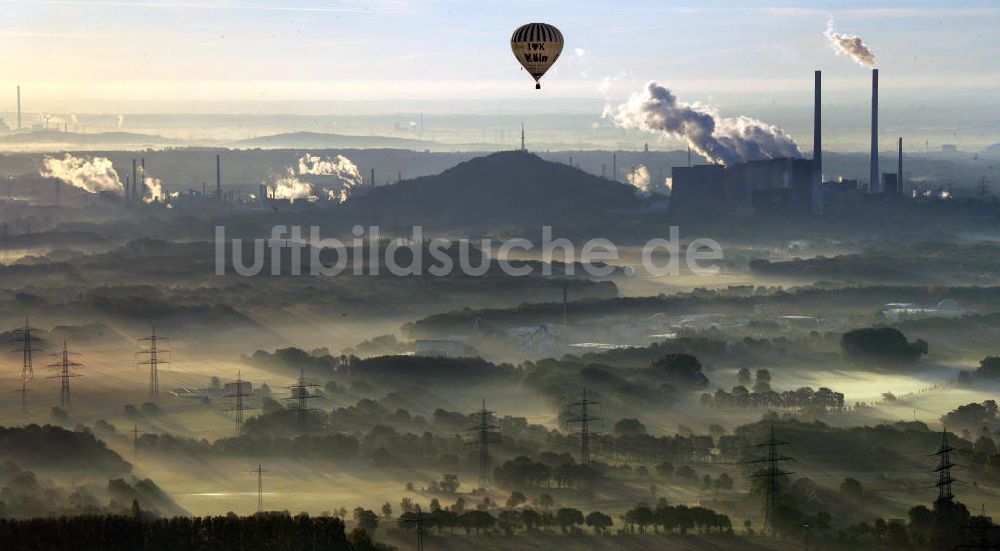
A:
584	419
23	336
65	367
301	396
486	432
771	474
153	359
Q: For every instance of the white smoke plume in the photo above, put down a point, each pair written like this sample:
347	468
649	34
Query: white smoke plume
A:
850	45
639	177
339	167
644	184
345	172
291	187
121	120
718	139
92	175
153	191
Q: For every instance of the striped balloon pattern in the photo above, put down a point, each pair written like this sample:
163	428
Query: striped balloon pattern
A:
536	46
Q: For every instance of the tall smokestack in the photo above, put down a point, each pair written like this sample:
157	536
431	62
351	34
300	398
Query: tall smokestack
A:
373	178
218	178
135	179
18	107
899	168
873	177
817	176
614	166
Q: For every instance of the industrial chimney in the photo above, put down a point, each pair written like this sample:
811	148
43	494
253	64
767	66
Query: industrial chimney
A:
873	177
218	178
817	175
899	168
134	180
373	178
19	107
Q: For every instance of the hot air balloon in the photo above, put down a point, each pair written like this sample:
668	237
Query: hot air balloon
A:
537	46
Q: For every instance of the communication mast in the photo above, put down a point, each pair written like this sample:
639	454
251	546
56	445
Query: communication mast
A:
301	396
23	336
153	359
771	474
486	432
584	419
65	367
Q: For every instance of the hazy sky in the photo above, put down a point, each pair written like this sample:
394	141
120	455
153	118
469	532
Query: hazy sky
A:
67	51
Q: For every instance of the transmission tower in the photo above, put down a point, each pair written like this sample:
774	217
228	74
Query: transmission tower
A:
27	341
420	520
301	396
152	354
771	474
943	470
486	432
65	367
135	439
260	487
241	391
584	419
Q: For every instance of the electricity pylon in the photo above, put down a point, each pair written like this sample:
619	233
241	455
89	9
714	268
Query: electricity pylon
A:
300	397
943	469
584	419
771	474
27	341
260	487
65	367
239	405
153	359
420	520
486	432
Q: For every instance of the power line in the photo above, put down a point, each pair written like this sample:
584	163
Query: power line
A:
301	396
486	432
65	367
420	520
260	487
23	336
771	475
240	405
584	420
153	353
943	470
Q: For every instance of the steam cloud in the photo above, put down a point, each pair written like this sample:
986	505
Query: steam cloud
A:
120	120
640	178
94	175
850	45
290	186
720	140
340	167
153	190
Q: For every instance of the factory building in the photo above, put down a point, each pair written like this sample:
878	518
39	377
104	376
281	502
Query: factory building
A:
783	184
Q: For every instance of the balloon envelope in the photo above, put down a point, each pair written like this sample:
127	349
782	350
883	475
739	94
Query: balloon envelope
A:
536	46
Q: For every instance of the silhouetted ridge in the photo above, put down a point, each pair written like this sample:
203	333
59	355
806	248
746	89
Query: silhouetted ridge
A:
506	187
